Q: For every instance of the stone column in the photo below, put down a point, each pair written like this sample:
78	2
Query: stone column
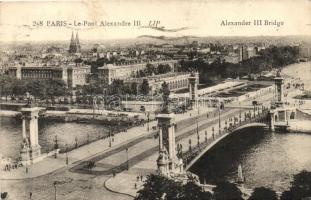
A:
167	159
31	150
193	88
279	81
24	128
160	139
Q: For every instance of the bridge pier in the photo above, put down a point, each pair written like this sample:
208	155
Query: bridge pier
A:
280	114
168	162
31	150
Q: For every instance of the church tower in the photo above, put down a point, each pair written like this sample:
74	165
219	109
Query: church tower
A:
78	47
74	46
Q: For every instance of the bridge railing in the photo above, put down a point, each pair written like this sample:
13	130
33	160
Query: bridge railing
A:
195	150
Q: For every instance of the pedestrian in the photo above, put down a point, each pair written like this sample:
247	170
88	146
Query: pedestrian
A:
141	177
135	185
137	178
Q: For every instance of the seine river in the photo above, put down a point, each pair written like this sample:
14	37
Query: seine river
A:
11	135
267	159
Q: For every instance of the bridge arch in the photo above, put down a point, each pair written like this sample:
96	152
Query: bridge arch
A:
216	141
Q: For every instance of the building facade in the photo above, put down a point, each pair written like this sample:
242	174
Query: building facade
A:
175	81
110	72
72	74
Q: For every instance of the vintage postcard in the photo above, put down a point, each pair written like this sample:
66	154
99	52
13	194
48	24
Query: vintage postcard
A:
151	100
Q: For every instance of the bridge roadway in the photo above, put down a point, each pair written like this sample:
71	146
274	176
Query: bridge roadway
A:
142	148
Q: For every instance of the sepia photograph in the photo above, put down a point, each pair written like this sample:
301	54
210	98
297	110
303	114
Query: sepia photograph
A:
155	100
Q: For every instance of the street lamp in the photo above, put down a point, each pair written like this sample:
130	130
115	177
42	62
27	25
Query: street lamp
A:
126	102
66	154
56	145
76	140
54	184
148	127
110	136
127	158
240	112
197	126
27	157
219	123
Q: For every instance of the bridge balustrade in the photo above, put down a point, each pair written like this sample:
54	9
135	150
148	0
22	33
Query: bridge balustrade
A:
189	155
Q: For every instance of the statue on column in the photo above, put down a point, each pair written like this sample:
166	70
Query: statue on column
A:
165	96
26	142
29	100
278	73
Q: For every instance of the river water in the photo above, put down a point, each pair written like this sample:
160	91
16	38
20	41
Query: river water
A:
11	135
267	159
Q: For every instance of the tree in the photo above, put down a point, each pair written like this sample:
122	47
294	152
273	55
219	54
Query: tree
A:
227	191
263	193
6	85
192	191
54	88
163	69
157	187
301	187
150	69
133	88
116	87
272	57
19	87
144	87
36	88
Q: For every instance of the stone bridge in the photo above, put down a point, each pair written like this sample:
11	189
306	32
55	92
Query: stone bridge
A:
191	156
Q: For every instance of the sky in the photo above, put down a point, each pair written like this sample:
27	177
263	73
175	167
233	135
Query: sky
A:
202	18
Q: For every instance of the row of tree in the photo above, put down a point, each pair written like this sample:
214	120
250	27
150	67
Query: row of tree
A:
51	88
40	89
269	58
159	187
151	70
117	86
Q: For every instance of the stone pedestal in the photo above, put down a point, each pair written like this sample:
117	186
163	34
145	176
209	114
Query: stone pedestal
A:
31	150
168	163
